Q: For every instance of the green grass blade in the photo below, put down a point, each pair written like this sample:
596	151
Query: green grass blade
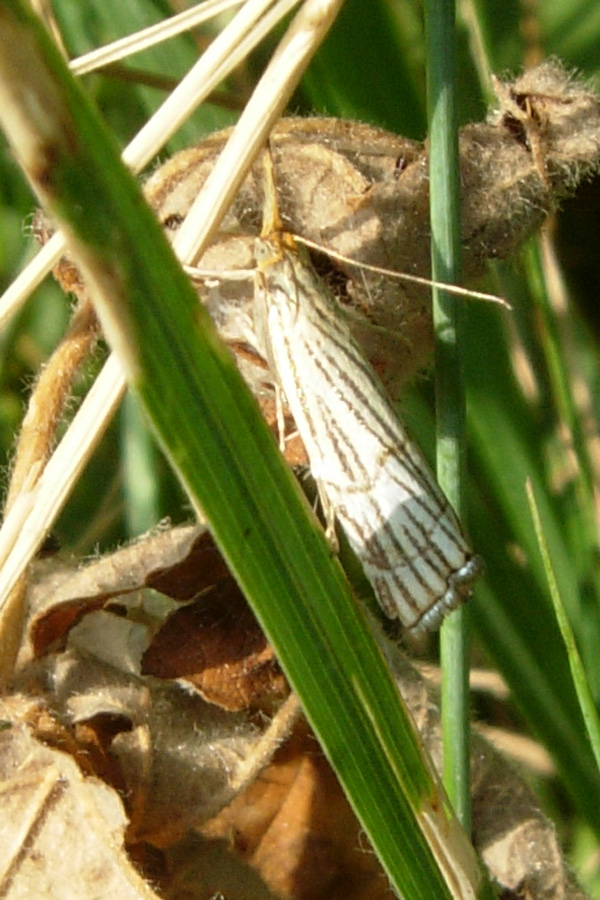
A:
584	694
211	430
556	352
450	402
512	612
140	484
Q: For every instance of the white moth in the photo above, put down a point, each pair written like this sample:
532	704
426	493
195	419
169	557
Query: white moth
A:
370	475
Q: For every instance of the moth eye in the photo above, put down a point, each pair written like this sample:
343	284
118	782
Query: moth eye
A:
172	222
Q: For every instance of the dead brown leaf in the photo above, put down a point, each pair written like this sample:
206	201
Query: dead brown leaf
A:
177	562
294	827
250	788
219	648
364	193
61	834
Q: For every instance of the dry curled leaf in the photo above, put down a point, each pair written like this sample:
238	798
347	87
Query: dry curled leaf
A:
61	834
257	789
177	756
295	828
364	193
170	743
215	644
168	560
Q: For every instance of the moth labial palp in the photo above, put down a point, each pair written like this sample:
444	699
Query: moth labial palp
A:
370	474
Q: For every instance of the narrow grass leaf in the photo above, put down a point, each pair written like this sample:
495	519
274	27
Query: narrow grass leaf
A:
450	402
584	694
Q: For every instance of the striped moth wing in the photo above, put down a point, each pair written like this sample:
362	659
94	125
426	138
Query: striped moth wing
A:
370	475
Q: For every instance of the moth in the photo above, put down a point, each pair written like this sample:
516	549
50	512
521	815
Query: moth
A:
371	476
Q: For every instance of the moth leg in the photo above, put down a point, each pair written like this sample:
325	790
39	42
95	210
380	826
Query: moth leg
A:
329	516
280	418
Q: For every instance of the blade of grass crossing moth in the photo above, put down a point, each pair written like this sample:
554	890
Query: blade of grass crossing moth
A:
211	430
450	405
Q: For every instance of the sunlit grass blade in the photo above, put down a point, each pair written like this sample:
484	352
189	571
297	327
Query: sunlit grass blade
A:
584	694
552	307
211	430
444	178
512	612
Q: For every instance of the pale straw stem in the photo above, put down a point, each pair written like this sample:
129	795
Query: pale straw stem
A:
149	37
223	55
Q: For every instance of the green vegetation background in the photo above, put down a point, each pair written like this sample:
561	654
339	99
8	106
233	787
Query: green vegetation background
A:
372	68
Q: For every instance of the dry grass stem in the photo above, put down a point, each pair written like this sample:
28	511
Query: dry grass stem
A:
48	400
227	50
150	37
41	499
